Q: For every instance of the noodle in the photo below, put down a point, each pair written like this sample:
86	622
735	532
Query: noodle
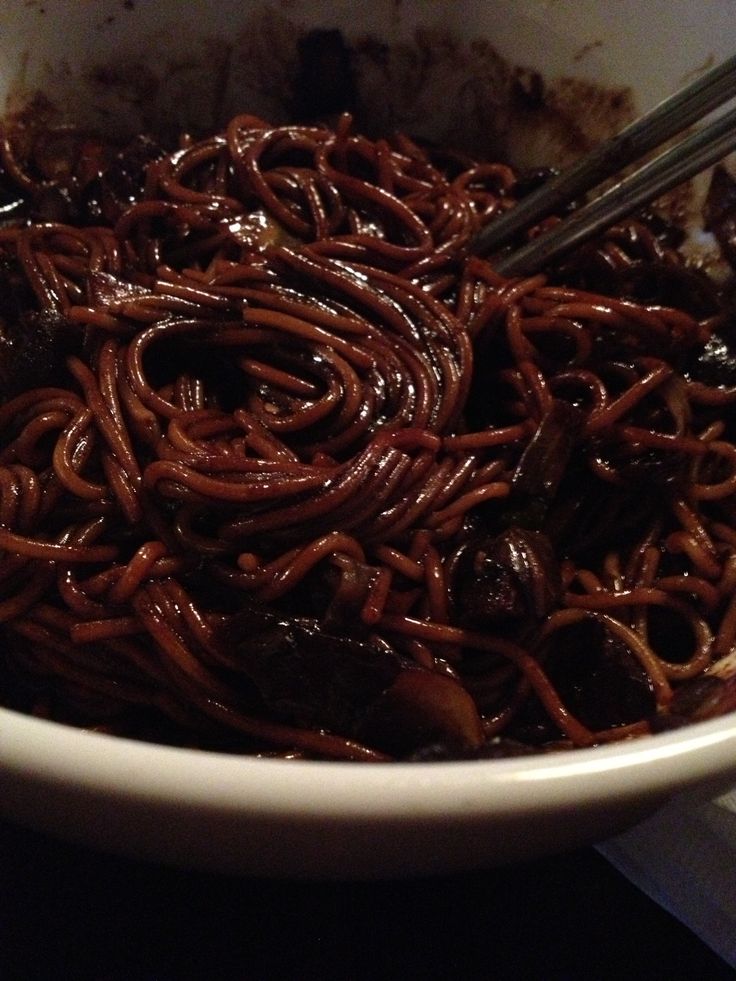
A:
289	471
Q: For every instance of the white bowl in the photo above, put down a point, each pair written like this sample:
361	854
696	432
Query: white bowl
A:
276	817
126	65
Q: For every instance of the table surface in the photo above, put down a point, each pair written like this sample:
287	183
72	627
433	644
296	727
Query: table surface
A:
69	913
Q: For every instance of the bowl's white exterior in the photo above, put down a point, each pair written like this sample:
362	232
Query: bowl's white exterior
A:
275	817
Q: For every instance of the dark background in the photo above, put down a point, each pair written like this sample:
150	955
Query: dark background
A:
68	913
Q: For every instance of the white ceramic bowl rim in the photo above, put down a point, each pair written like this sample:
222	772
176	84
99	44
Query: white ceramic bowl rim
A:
60	755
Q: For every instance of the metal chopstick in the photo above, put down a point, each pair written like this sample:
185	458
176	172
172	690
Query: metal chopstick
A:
698	151
649	131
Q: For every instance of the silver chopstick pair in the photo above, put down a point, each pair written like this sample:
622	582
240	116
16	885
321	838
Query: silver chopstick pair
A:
693	154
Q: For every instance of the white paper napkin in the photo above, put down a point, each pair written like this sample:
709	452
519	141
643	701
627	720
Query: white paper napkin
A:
685	859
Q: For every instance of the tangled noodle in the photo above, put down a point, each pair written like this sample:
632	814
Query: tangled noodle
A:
300	475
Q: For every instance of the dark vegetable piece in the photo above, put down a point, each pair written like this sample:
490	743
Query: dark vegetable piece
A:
590	515
32	342
107	196
719	212
515	575
544	461
715	364
542	466
708	696
53	203
419	708
13	203
314	678
660	283
108	291
652	470
16	296
30	349
311	677
348	598
597	677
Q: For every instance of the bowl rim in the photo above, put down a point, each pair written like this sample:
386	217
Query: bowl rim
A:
50	754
